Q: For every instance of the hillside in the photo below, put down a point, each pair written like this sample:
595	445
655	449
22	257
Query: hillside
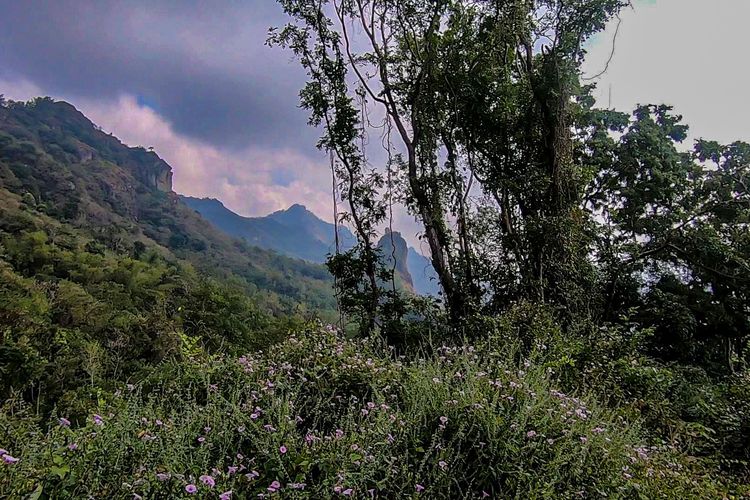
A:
122	198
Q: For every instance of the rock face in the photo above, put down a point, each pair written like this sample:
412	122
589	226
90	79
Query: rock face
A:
395	250
157	176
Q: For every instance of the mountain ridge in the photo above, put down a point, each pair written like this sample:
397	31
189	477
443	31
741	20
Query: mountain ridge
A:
298	232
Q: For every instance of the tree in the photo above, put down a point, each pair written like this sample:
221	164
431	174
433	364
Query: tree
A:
472	107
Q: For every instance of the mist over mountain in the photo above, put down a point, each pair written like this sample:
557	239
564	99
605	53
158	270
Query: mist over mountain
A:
297	232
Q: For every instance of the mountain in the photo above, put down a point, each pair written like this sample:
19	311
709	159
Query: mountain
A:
395	253
424	277
295	232
120	198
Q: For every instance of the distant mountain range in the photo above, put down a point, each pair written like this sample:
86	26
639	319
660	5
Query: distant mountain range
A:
297	232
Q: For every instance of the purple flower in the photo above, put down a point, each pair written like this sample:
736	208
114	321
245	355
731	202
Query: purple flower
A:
419	488
201	439
347	492
207	480
163	476
191	488
250	476
3	452
72	447
226	495
231	470
64	422
274	487
9	460
531	434
443	464
282	450
98	420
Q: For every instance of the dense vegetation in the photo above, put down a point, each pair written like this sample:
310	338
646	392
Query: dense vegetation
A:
591	338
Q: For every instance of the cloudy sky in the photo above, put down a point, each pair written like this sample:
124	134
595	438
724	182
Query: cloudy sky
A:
194	80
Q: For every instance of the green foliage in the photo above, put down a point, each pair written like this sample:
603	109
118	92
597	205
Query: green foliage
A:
319	416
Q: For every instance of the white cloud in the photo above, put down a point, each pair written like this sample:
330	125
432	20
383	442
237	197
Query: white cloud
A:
244	181
691	54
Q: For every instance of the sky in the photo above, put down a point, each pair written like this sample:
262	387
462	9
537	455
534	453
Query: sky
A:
195	80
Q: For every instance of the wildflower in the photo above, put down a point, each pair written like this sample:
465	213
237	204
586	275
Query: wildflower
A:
390	438
208	481
584	439
269	428
232	470
9	460
163	476
227	495
159	422
254	416
98	420
348	492
597	430
274	487
72	447
297	486
201	439
3	452
191	488
282	450
207	429
419	488
339	433
241	429
64	422
531	434
443	464
252	475
337	489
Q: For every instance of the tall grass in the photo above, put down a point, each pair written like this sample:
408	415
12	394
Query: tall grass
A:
322	416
